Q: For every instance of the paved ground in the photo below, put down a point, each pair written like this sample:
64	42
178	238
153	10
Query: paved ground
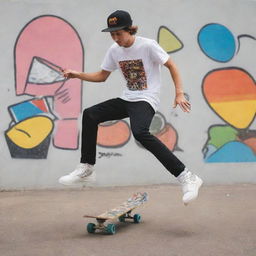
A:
49	223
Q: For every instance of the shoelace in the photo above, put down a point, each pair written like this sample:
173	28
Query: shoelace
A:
81	170
189	178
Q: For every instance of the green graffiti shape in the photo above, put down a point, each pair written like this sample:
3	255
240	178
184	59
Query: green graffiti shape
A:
220	135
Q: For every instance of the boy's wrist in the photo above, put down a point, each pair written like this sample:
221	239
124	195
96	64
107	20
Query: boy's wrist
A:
78	75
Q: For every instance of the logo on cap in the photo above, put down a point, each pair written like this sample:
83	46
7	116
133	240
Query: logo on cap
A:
112	21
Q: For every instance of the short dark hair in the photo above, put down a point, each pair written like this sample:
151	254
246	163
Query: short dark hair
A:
132	29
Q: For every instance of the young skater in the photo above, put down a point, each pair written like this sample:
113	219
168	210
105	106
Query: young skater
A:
139	59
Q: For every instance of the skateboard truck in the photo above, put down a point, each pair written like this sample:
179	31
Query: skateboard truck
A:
110	228
136	217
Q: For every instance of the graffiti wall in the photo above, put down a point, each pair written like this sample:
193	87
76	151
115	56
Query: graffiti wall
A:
230	93
43	47
41	110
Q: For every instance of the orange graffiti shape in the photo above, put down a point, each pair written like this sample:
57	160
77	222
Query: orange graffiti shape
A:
231	93
113	135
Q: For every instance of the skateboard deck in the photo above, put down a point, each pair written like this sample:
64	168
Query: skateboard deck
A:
123	212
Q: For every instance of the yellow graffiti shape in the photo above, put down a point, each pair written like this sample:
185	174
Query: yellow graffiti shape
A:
168	40
31	132
238	113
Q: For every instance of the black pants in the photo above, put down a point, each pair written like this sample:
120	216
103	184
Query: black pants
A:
141	114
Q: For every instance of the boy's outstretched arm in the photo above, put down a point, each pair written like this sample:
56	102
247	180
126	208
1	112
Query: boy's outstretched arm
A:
179	93
99	76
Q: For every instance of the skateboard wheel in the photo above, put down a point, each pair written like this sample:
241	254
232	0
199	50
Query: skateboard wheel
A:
137	218
111	229
122	218
91	227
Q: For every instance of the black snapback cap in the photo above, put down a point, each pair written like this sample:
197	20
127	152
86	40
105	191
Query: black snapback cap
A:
118	20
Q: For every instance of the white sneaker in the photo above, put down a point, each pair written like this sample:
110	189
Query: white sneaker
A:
190	185
84	173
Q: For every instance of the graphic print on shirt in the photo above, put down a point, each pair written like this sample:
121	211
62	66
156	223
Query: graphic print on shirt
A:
134	73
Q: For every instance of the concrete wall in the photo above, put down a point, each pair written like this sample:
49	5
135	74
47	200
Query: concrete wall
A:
212	42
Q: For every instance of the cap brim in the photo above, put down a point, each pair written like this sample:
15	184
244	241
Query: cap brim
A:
113	29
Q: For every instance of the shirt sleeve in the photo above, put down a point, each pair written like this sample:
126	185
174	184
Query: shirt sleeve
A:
108	63
157	53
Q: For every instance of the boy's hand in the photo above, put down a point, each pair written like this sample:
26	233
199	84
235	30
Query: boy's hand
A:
68	73
182	102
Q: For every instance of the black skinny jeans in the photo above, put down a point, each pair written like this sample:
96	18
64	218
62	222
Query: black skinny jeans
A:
141	114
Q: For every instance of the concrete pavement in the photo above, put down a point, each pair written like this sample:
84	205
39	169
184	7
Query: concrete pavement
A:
49	222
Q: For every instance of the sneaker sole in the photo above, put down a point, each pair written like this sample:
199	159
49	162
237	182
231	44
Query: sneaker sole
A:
89	181
77	183
200	184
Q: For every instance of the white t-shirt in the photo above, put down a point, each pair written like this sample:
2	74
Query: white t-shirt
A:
140	65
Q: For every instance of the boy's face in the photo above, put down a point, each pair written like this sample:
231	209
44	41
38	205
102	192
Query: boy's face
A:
122	38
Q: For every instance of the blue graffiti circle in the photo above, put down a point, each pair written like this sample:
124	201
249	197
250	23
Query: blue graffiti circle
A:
217	42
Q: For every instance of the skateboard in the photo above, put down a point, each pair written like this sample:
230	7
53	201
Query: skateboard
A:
121	212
